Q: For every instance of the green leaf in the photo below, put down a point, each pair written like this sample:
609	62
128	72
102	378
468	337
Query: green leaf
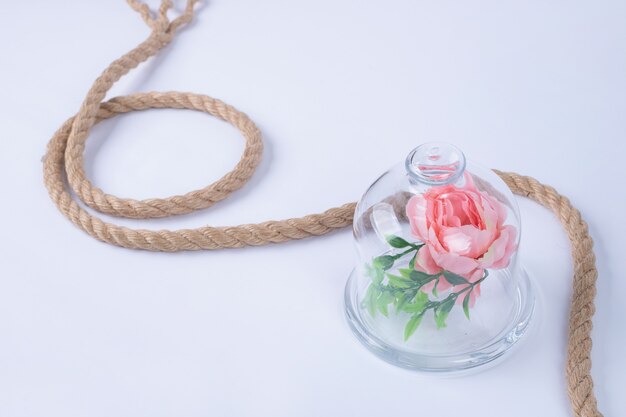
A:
383	309
397	241
399	282
418	304
412	325
454	279
402	298
376	274
369	302
406	273
412	308
421	277
442	311
412	261
383	262
466	304
435	293
383	301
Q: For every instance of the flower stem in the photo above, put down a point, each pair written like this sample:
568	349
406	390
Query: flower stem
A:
405	290
411	249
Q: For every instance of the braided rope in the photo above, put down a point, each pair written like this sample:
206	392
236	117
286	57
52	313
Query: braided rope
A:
64	159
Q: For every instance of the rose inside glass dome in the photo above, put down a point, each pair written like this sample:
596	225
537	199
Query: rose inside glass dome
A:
464	232
438	285
460	235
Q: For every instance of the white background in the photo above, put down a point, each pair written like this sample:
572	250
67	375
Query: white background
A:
341	90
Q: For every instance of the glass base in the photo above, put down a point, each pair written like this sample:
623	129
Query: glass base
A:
460	350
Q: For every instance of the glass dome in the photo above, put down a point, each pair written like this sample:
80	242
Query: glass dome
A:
438	285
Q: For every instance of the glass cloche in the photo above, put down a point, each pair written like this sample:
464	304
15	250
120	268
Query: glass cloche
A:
438	285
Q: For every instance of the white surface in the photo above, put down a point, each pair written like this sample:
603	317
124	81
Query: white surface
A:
341	90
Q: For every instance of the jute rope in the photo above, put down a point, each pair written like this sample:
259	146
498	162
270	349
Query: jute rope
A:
64	159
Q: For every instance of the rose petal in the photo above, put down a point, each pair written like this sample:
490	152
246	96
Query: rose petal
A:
455	240
451	214
455	263
462	208
510	247
424	262
501	249
433	241
416	213
500	209
467	240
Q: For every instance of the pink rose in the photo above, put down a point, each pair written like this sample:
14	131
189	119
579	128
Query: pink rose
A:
463	231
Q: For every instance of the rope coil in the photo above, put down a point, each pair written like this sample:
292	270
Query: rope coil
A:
64	160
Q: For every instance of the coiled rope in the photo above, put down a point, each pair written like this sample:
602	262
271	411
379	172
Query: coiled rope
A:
64	159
